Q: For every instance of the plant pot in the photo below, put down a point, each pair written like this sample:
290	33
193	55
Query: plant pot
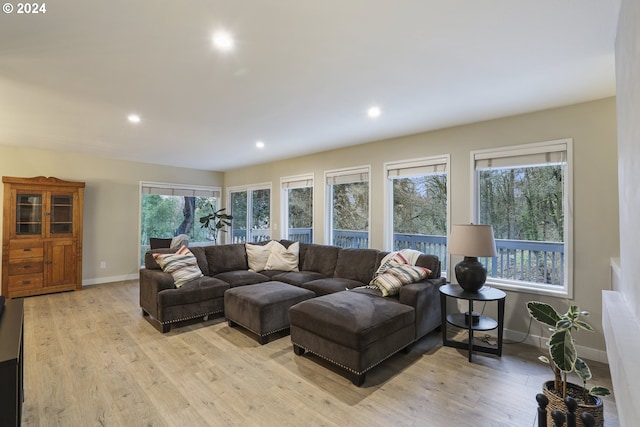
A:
557	402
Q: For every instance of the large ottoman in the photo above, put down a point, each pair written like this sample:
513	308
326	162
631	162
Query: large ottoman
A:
353	330
263	308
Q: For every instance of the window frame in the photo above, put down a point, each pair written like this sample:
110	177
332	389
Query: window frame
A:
290	183
250	188
172	189
566	291
333	173
419	162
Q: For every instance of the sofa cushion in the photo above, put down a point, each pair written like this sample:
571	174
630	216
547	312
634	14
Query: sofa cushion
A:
258	255
330	285
321	259
241	277
298	277
432	262
182	265
195	291
356	264
201	256
223	258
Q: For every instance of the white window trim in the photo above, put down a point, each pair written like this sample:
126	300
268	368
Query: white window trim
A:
288	183
252	187
388	192
182	190
527	149
328	174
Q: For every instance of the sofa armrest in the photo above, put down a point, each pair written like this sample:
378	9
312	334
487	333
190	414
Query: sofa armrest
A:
424	296
151	283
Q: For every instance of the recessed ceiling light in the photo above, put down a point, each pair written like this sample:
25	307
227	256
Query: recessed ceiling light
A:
133	118
259	144
223	41
374	112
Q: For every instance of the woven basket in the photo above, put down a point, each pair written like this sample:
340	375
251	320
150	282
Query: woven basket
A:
556	402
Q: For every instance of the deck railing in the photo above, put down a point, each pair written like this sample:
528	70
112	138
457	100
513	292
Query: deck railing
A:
523	260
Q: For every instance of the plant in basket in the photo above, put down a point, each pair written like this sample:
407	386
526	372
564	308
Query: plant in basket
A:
565	360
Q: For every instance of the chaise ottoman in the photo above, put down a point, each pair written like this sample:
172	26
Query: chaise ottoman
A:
263	308
353	330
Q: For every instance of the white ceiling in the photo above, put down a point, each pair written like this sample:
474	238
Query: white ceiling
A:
300	79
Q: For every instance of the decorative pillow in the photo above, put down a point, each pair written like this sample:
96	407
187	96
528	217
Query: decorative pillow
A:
284	259
257	255
182	265
392	259
394	278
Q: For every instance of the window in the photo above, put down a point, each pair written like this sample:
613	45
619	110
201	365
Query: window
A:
167	210
251	211
348	207
297	208
416	201
524	192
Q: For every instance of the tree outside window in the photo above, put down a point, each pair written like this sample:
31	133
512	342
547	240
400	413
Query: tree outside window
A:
164	214
523	192
251	211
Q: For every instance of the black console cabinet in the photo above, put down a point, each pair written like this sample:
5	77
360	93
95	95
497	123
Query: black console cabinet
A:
11	362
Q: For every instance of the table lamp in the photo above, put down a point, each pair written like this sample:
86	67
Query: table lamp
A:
471	241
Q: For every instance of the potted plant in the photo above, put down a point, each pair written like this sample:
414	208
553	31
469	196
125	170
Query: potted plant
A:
565	360
216	222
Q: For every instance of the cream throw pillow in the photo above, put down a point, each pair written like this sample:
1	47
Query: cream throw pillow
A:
257	255
284	259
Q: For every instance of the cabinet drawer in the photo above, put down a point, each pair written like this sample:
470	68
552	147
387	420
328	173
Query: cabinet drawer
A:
25	266
25	282
25	249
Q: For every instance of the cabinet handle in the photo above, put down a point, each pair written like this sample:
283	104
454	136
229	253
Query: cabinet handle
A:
48	262
26	266
27	249
26	282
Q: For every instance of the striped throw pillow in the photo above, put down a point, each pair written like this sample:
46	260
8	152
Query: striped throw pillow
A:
394	278
182	265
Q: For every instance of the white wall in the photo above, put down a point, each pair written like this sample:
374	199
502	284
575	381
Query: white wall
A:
111	203
621	307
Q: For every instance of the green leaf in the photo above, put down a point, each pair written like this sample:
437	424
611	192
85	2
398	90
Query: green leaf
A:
562	350
563	324
543	313
582	370
584	325
599	391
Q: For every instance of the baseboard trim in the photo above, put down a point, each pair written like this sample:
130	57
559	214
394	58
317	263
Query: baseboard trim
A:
111	279
541	342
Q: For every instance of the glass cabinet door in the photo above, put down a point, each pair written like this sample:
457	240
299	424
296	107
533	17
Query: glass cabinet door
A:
61	214
28	214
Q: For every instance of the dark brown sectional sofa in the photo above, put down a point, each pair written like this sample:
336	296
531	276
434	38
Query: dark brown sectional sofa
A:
378	326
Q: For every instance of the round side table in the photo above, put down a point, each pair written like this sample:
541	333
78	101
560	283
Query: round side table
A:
472	322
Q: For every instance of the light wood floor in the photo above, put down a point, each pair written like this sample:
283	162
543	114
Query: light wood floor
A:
92	360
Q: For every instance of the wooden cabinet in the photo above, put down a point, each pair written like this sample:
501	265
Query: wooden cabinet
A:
42	236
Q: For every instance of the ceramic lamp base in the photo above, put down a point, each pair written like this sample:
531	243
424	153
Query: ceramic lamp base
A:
471	274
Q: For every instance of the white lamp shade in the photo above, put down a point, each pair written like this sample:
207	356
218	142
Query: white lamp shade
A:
473	240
